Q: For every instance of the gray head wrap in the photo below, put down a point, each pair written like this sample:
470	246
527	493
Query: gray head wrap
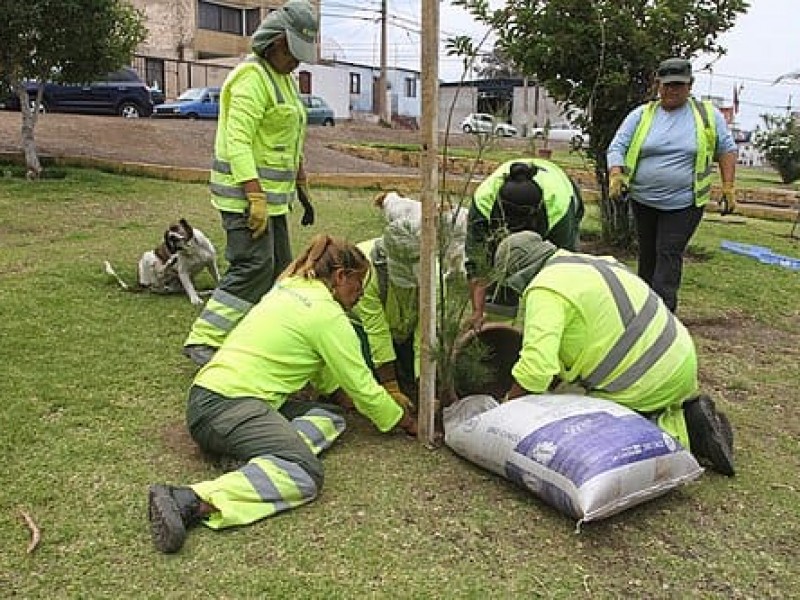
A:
296	18
401	246
519	257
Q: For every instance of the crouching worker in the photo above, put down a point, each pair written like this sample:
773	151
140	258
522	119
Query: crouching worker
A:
389	309
528	194
590	321
238	405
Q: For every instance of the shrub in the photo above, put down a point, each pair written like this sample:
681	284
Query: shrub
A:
780	143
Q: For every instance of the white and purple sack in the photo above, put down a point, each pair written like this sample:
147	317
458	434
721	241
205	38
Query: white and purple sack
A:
587	457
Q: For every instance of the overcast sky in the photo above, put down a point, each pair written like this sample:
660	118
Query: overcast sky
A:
764	44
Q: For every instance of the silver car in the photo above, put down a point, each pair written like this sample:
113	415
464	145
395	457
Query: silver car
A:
486	123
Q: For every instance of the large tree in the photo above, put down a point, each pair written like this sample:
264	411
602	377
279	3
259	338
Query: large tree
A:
495	65
598	57
71	41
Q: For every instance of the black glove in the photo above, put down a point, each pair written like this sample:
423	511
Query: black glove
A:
305	200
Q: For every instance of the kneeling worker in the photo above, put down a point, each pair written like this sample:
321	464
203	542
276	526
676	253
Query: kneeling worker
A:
238	405
588	320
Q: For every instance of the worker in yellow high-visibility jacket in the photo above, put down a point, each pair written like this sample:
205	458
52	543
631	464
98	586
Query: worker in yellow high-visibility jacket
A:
239	404
257	171
589	321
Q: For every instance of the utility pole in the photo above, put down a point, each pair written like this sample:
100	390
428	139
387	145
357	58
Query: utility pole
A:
383	104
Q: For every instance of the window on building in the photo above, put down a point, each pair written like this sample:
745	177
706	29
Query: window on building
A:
355	83
154	72
411	87
252	19
218	17
304	81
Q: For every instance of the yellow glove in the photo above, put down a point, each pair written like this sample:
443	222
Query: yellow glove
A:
399	397
617	185
257	217
727	201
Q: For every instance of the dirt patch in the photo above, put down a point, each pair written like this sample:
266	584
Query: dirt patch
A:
185	143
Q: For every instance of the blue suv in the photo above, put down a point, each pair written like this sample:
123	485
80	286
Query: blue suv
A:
119	93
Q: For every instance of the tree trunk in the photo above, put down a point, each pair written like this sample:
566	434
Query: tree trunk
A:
29	117
615	216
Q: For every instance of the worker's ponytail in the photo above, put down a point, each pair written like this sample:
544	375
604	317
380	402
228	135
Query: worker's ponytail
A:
323	256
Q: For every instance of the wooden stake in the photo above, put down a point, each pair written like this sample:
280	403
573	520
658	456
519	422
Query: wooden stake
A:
429	196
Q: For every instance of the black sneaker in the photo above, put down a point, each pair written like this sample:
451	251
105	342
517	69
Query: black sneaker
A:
710	437
171	511
199	354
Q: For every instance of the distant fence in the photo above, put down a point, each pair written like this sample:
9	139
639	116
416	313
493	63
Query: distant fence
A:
174	76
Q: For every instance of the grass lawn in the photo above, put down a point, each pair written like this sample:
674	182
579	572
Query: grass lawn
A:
93	388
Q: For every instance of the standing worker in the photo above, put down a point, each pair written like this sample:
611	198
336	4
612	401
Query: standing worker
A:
238	405
529	194
590	321
257	170
661	158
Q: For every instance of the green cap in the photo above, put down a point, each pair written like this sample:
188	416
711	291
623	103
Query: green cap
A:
675	70
519	257
296	18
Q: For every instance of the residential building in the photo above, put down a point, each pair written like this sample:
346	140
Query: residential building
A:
521	102
183	33
193	43
403	90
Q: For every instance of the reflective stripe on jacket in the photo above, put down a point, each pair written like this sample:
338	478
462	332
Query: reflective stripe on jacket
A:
614	336
259	136
706	138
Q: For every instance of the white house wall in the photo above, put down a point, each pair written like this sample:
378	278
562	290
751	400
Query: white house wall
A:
332	85
462	101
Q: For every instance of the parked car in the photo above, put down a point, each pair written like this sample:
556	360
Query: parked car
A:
485	123
158	96
194	103
561	132
319	113
119	93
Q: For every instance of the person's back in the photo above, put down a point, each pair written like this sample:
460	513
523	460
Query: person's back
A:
590	321
619	339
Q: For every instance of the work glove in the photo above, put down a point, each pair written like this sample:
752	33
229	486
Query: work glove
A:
305	200
727	201
399	397
617	186
408	423
257	217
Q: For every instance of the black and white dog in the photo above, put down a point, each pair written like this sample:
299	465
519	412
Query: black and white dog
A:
172	266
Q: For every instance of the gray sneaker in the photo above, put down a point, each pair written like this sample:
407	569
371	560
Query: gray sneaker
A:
199	354
710	434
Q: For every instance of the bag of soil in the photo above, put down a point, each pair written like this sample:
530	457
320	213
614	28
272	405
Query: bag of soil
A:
587	457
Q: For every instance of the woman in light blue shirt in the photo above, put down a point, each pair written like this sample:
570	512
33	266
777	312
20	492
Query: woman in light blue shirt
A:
661	156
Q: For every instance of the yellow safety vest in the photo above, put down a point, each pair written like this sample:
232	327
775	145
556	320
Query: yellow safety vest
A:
706	134
277	139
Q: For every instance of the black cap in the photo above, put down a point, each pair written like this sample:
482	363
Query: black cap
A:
521	193
520	171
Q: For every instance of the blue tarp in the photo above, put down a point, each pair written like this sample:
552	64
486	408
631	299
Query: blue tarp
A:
762	254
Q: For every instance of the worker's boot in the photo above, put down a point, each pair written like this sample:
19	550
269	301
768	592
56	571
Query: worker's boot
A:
199	354
172	510
710	434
